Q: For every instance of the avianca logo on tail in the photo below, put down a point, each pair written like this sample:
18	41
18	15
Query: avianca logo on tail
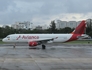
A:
79	30
27	37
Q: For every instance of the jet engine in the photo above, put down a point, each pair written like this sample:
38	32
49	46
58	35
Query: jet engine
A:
33	43
50	42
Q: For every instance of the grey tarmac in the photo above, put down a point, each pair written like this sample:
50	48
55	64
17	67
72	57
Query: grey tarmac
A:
60	57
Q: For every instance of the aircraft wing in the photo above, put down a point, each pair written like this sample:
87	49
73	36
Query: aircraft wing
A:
43	39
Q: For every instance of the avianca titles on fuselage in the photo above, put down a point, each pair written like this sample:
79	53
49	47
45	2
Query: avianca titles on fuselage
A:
36	39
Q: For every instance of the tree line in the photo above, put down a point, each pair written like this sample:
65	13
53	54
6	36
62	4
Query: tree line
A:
52	29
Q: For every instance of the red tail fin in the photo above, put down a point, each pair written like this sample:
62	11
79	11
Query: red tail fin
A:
80	29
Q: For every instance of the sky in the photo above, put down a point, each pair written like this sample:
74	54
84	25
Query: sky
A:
41	12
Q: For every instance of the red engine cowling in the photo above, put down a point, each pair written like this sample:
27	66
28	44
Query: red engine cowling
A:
33	44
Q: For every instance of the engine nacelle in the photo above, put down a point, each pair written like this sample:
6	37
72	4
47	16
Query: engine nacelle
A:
33	43
50	42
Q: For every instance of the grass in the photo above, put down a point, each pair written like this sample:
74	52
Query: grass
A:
1	42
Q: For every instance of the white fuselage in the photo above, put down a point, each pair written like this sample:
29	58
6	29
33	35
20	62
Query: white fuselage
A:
37	37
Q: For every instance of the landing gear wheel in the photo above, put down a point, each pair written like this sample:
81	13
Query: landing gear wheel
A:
43	47
14	45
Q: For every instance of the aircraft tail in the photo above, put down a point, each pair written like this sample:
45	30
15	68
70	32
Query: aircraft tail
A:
80	29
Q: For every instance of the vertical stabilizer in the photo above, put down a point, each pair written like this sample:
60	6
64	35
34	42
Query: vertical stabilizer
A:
80	29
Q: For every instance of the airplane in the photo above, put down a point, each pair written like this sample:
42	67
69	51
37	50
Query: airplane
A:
41	39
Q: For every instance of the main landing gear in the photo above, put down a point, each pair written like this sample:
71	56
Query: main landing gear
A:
14	45
43	46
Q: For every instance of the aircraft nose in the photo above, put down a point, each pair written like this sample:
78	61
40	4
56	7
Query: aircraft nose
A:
3	40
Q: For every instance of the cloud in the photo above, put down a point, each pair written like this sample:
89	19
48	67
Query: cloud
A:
42	12
78	6
4	4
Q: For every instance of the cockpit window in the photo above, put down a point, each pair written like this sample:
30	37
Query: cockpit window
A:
8	36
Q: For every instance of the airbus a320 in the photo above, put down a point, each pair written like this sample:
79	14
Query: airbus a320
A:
41	39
